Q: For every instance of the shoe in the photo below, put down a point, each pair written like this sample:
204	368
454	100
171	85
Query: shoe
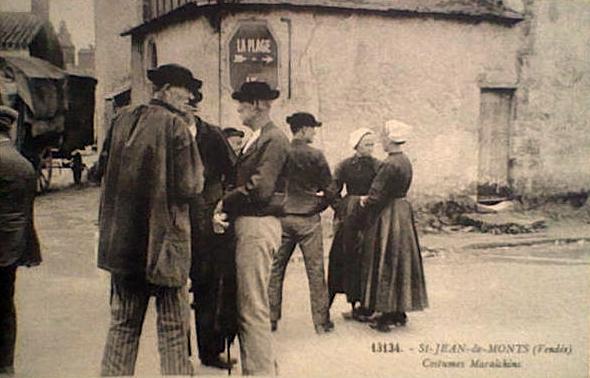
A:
359	314
399	319
362	315
324	328
219	362
274	325
380	326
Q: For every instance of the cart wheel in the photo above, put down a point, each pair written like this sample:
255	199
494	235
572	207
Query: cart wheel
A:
44	171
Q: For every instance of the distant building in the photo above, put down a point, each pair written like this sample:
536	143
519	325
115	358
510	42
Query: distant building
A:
68	48
26	34
113	57
86	58
40	8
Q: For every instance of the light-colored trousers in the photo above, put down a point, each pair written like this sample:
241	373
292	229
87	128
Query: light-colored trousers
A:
257	240
129	301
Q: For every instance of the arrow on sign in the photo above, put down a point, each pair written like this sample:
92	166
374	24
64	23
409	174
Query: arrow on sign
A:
267	59
239	58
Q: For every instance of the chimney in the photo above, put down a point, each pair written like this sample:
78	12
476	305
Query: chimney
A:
40	8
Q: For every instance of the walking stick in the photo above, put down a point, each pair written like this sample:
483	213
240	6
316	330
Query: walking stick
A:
228	356
188	339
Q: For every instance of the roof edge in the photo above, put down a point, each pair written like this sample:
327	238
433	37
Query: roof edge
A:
193	10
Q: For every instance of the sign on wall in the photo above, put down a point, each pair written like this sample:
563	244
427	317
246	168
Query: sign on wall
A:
253	55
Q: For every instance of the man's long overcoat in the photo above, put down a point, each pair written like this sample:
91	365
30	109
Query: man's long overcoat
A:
152	171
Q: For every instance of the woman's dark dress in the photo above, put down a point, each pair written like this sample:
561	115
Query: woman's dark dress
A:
392	277
356	173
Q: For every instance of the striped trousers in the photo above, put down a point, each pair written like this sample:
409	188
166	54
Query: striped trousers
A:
129	301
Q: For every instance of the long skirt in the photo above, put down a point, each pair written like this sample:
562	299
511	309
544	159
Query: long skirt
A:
392	275
344	261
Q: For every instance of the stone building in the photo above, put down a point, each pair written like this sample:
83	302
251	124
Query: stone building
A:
40	8
550	130
27	34
67	46
496	110
86	58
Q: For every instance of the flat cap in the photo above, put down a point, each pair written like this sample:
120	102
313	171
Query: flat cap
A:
302	119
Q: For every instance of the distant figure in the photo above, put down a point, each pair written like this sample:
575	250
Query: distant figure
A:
309	192
254	206
235	138
392	278
152	171
19	245
356	174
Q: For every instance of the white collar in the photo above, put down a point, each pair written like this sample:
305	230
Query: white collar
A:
255	135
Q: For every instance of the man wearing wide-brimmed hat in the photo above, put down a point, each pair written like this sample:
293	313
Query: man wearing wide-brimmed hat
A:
152	171
18	240
253	206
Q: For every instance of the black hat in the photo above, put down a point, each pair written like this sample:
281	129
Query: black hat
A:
177	75
255	90
232	131
302	119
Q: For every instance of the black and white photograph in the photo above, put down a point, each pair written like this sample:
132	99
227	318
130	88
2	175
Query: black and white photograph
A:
295	188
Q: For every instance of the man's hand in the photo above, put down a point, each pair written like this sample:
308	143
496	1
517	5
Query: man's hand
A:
363	201
220	222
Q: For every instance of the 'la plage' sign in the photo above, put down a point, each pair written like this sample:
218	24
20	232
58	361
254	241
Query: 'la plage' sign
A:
253	55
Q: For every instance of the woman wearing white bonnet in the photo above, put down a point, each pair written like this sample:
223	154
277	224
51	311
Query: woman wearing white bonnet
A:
356	174
392	272
357	136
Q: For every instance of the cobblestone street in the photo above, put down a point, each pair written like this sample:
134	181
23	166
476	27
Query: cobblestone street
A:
526	307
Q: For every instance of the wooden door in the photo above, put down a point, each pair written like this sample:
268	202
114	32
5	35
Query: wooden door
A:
494	144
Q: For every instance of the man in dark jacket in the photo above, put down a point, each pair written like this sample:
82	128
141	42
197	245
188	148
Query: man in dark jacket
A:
253	205
19	245
213	268
309	193
152	171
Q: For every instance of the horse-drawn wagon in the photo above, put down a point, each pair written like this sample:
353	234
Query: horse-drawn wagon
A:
56	114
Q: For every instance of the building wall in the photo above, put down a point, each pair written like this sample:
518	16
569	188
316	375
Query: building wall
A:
112	52
69	56
40	8
359	71
86	58
552	141
19	52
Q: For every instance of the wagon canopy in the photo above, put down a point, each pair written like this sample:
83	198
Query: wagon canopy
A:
41	86
79	125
